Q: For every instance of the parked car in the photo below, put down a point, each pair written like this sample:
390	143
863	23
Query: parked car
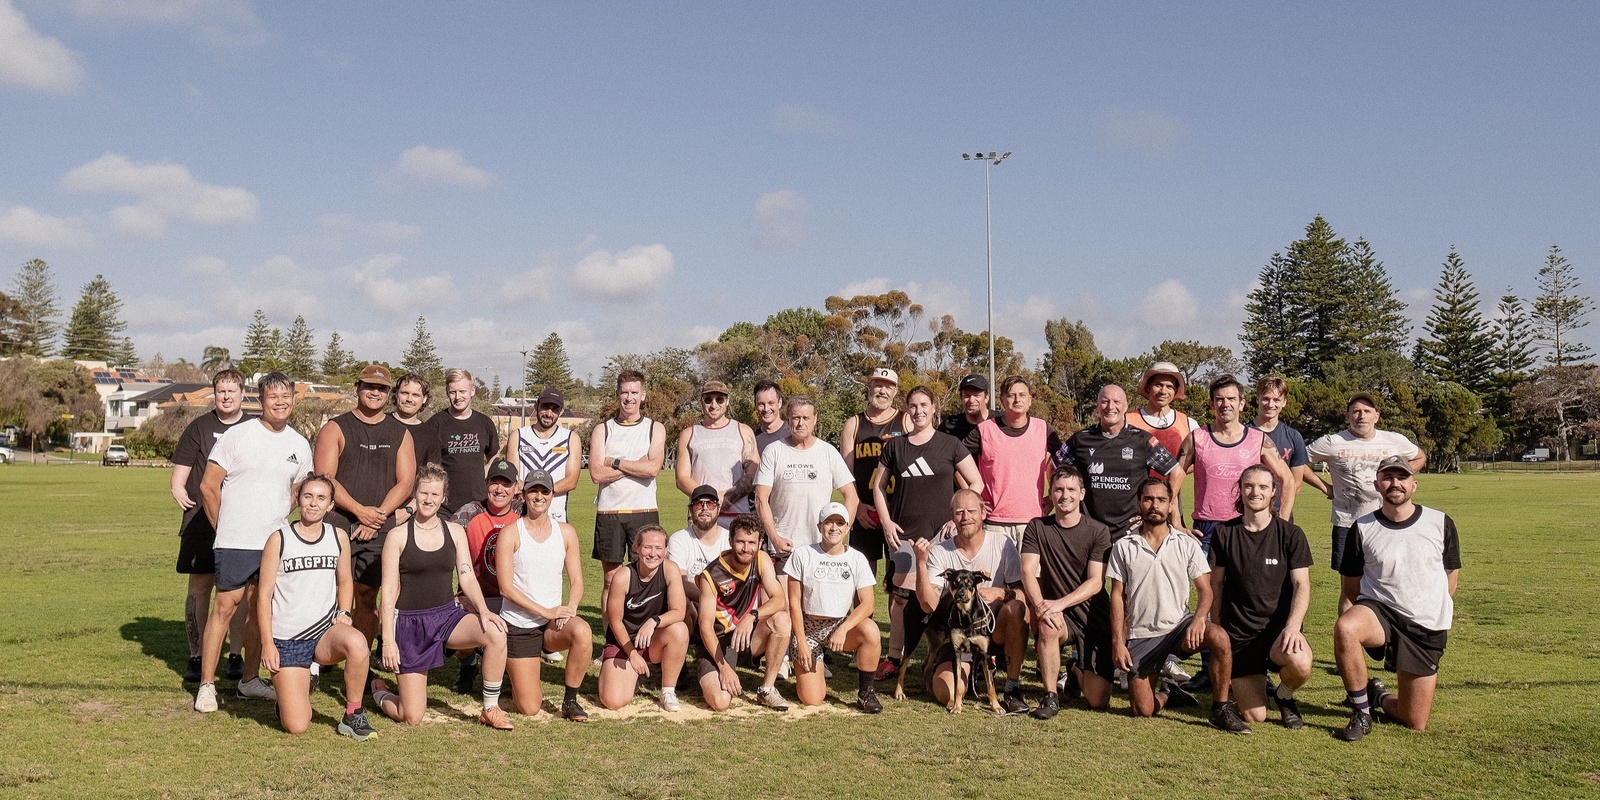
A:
116	456
7	455
1537	454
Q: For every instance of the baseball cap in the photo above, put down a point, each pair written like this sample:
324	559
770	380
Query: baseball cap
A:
1166	368
885	374
1395	463
377	375
714	387
1361	397
551	397
977	382
502	468
705	490
538	477
833	510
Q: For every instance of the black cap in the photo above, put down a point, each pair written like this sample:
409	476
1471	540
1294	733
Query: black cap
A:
551	396
975	382
705	490
538	477
502	468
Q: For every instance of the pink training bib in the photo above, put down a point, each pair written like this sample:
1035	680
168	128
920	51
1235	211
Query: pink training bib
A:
1217	468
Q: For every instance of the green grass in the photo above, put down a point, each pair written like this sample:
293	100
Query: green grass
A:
91	647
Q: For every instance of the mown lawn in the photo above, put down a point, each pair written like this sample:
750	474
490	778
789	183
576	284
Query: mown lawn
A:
91	704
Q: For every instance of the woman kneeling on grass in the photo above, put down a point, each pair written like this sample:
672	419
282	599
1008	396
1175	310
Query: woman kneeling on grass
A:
825	579
644	624
303	608
420	615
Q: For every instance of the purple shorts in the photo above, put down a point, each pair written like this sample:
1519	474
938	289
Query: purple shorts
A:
421	634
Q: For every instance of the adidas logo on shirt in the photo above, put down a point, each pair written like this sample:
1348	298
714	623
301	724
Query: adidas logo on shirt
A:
293	459
918	469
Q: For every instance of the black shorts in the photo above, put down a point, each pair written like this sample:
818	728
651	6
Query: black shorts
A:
524	642
869	541
366	561
1412	648
1252	655
236	568
1094	648
1340	534
614	532
1150	654
704	665
196	538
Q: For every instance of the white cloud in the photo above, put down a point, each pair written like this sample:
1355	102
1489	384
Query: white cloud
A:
631	274
165	191
24	226
808	119
441	165
390	294
1169	304
230	24
1133	130
32	60
531	287
867	286
382	230
781	218
936	297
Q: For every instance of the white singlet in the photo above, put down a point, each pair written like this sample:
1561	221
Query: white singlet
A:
536	572
551	455
716	459
306	592
627	493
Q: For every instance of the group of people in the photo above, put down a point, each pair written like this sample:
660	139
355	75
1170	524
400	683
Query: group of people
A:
430	539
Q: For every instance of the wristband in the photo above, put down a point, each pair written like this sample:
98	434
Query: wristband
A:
616	463
657	620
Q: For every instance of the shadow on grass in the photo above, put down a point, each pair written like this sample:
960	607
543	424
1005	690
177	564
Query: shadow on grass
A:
161	639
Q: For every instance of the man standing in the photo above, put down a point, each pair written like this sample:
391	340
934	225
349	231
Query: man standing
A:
861	443
975	547
1219	453
1116	458
1163	383
771	426
797	477
698	544
1063	574
1271	395
1261	585
545	444
1151	571
625	456
196	536
371	460
1352	456
467	440
974	408
718	451
1401	563
411	394
247	492
1013	455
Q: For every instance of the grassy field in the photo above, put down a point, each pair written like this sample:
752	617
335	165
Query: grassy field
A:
91	703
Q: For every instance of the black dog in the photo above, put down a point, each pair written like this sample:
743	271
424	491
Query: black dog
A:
970	623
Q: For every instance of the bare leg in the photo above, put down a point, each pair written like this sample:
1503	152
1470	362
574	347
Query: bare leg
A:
1412	704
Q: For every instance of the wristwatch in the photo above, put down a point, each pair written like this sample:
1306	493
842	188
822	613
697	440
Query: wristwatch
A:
657	620
616	463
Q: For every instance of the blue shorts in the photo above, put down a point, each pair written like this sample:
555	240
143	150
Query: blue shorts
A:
296	652
236	568
1341	534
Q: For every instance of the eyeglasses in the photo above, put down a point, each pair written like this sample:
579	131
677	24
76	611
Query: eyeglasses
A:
699	503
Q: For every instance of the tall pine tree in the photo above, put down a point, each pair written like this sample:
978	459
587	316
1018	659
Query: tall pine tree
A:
1513	354
548	365
299	352
1371	318
1271	326
421	358
336	361
95	331
1559	311
35	293
1456	344
258	347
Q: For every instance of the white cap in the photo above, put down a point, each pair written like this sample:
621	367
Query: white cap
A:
885	374
833	510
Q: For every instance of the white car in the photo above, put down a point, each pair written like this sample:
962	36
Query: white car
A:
7	455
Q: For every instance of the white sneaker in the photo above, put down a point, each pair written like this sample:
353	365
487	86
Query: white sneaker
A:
669	699
785	670
827	674
769	697
257	689
1122	679
553	658
1173	670
205	700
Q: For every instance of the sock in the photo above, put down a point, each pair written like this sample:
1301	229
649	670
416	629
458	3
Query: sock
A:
1358	700
571	694
1280	694
1013	686
351	708
1217	705
491	695
864	680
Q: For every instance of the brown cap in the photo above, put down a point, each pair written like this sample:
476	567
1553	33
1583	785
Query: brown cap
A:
714	387
1395	464
377	375
1365	398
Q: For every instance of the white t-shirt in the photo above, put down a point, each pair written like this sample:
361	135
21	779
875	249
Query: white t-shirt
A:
802	483
263	467
685	550
997	556
1353	463
828	584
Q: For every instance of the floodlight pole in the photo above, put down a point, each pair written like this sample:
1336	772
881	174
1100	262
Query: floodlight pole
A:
990	160
524	403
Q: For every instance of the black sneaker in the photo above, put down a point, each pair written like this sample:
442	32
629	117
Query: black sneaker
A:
235	667
191	673
1290	709
1225	717
466	680
1178	696
572	711
868	700
356	726
1199	683
1047	707
1068	686
1360	725
1012	702
1376	691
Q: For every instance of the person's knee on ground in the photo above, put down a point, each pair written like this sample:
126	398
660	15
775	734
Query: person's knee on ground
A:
1096	690
1250	696
711	691
1143	699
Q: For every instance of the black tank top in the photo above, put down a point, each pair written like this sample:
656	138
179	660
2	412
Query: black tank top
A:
366	465
426	576
645	599
737	594
869	445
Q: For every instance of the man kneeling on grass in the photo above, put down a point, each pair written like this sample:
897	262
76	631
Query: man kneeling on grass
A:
733	619
1401	563
1151	570
826	579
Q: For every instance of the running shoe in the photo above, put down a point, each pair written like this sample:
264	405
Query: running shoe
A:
1067	685
1376	692
886	669
1225	717
496	718
1173	671
1360	725
553	658
191	673
868	700
786	669
669	700
1013	703
1177	696
235	667
572	711
1199	683
1290	710
356	726
205	700
769	697
256	689
467	679
1048	706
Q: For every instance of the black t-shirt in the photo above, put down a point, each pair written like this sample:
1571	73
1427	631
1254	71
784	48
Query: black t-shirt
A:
367	462
922	479
1064	558
1113	468
957	425
465	445
194	450
425	440
1257	590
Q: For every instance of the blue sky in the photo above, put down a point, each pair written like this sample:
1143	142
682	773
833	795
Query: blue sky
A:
639	175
